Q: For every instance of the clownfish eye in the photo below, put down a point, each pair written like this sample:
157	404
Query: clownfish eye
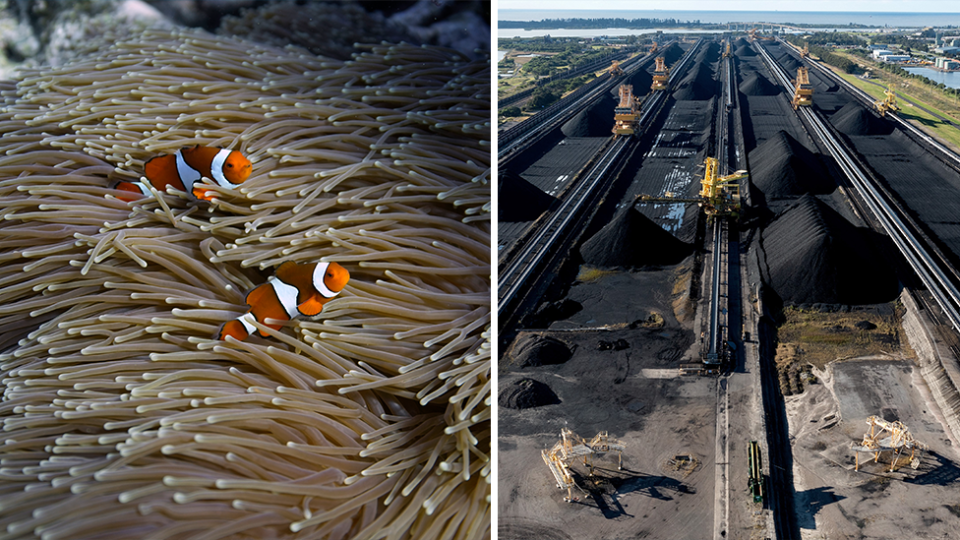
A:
329	274
230	165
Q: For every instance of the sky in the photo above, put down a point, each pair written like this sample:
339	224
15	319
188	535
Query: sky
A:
894	6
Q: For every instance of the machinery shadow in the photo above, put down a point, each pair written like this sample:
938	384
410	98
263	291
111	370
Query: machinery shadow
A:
606	486
936	470
810	502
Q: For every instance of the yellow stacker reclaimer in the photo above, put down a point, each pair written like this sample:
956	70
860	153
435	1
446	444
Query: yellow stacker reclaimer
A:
626	116
803	90
661	75
888	103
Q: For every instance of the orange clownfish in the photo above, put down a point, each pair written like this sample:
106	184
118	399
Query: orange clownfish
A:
297	289
181	170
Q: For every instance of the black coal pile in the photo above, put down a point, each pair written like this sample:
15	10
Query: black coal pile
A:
520	200
533	350
594	121
671	54
708	53
758	85
853	119
527	394
782	167
618	345
554	311
698	84
641	81
745	50
790	64
813	255
632	240
741	42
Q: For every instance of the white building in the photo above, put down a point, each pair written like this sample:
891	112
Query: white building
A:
881	52
894	58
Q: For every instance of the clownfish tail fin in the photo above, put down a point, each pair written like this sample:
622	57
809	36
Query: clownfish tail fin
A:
239	328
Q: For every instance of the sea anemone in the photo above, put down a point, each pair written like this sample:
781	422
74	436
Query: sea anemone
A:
122	418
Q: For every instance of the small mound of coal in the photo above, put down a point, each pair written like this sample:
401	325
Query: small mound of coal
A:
535	351
853	119
758	85
618	345
741	42
526	394
782	167
520	200
745	50
790	64
866	325
709	53
594	121
555	311
632	240
812	254
698	84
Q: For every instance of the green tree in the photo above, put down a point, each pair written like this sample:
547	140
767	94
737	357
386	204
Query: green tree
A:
511	111
541	98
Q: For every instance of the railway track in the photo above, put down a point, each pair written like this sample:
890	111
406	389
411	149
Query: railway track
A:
520	276
513	141
894	221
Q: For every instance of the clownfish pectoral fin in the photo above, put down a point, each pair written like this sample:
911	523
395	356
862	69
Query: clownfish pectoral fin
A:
313	306
204	194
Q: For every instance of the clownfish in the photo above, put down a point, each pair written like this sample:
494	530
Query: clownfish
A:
296	289
181	170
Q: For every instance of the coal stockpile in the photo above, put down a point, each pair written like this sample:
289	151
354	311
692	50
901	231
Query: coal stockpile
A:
520	200
743	48
709	53
787	61
813	255
641	81
632	240
533	350
697	85
755	84
527	394
853	119
671	54
782	167
594	121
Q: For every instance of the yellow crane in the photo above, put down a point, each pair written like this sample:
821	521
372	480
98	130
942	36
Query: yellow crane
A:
626	116
719	195
803	91
728	53
615	69
661	74
805	53
888	103
888	436
570	447
653	48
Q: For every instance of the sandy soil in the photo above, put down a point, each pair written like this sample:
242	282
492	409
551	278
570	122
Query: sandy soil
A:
833	500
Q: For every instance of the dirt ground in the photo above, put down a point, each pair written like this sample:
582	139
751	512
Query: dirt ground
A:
655	418
834	501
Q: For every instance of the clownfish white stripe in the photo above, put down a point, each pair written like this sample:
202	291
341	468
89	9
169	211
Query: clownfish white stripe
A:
143	187
246	321
318	282
287	295
188	175
217	168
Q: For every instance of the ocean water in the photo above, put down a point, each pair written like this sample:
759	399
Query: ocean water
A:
826	18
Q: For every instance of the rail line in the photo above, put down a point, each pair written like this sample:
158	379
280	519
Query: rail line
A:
514	140
540	247
887	214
